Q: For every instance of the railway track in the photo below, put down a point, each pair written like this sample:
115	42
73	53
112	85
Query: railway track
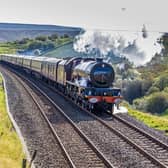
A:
154	149
78	149
138	139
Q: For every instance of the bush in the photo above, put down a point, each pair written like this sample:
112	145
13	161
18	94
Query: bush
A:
53	37
66	36
41	38
166	89
153	89
140	104
162	82
157	102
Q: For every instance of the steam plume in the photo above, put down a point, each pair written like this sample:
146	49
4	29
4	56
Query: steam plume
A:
133	46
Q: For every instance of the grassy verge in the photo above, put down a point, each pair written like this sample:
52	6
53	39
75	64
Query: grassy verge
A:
11	153
153	121
7	49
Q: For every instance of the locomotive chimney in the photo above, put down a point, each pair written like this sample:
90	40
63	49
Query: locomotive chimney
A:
99	59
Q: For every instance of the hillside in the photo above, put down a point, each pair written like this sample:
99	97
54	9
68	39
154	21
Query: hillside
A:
67	50
63	51
12	32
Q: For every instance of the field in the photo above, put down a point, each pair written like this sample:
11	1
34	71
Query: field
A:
7	48
11	153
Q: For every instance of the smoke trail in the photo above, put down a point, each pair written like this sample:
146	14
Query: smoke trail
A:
133	46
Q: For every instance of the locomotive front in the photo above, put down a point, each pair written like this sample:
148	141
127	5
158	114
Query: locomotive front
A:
102	75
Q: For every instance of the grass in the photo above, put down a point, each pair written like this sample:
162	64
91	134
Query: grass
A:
7	48
11	153
153	121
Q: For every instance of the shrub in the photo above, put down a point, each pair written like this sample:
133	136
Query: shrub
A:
153	89
157	102
166	89
66	36
53	37
140	104
41	38
162	82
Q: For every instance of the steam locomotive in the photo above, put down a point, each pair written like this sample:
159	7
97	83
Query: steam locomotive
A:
87	81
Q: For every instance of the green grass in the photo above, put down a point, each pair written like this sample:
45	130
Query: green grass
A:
11	153
153	121
6	48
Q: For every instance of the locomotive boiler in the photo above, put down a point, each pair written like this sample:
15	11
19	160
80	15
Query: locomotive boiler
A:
95	73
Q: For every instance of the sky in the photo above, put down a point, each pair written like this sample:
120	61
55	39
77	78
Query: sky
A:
91	14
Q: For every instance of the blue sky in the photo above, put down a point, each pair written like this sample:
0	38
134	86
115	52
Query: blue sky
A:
98	14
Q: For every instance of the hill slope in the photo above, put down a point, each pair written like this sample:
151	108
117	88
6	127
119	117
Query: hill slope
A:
67	50
12	32
63	51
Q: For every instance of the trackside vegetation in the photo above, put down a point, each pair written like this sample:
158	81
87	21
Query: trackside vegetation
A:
11	152
159	122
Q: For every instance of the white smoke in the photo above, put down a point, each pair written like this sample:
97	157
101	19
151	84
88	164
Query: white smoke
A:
133	46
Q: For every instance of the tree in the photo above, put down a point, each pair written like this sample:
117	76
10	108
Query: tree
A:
133	90
24	41
53	37
66	36
41	38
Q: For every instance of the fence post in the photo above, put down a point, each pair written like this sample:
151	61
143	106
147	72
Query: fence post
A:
32	159
24	162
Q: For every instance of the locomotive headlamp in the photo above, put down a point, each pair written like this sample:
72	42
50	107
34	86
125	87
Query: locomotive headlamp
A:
93	100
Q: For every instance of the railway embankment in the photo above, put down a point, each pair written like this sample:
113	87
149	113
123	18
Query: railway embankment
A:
11	151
